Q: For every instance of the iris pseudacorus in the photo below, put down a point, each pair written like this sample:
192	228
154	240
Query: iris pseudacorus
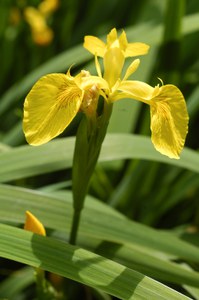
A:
55	99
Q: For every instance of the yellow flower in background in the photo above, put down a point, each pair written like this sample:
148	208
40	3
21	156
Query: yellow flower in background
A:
33	224
47	7
42	34
55	99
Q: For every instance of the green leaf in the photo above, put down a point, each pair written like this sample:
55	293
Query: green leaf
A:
111	234
80	265
25	161
194	291
16	283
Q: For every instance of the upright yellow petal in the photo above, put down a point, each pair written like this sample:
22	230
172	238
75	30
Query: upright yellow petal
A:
113	64
99	48
169	121
94	45
33	224
123	41
112	38
49	107
131	49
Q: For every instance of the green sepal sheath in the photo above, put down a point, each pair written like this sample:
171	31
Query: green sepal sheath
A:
89	139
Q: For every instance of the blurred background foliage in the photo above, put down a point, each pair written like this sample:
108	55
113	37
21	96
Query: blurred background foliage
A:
152	193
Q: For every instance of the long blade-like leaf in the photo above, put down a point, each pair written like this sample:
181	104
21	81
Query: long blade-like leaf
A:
136	245
27	161
80	265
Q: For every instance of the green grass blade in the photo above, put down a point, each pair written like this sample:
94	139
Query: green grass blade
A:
16	283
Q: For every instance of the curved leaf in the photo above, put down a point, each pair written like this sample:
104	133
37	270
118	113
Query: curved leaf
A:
111	234
81	265
27	161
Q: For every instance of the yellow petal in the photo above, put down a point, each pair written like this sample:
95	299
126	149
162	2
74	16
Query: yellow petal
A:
34	18
113	64
47	7
169	121
123	41
112	38
135	49
33	224
131	69
90	81
43	37
94	45
98	67
137	90
49	107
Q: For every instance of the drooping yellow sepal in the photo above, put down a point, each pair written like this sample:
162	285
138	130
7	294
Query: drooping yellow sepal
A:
169	121
169	117
49	107
33	224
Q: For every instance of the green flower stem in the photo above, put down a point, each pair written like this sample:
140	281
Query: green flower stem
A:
44	290
75	226
90	135
40	281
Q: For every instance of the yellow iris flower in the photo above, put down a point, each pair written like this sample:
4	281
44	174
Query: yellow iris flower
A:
42	34
55	99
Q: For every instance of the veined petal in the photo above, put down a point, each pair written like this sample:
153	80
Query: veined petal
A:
169	121
94	45
137	90
49	107
113	64
135	49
